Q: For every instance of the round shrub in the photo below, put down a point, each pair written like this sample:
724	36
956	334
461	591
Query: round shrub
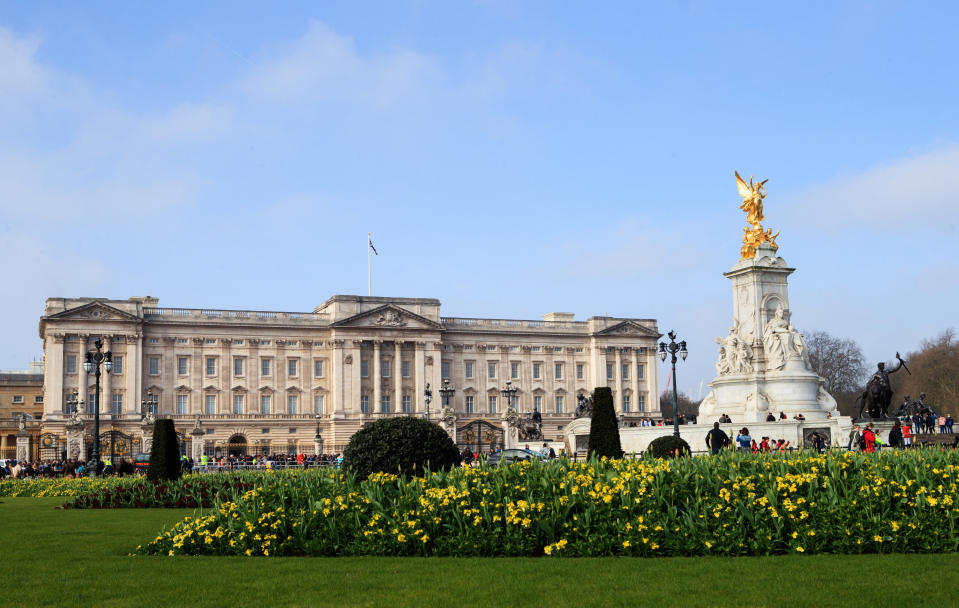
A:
668	447
402	445
165	453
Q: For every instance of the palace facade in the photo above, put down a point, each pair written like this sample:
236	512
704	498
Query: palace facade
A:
260	381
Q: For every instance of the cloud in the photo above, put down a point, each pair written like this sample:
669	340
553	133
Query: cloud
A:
921	191
321	65
20	73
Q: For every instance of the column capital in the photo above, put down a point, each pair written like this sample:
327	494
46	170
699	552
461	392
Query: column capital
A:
420	344
377	343
337	342
59	338
357	343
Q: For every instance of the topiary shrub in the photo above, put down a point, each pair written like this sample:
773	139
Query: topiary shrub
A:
603	428
668	447
403	445
165	453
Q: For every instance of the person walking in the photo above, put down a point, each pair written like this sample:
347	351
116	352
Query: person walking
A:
716	439
855	439
869	435
895	436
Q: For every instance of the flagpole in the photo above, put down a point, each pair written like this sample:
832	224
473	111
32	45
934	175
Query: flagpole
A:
369	273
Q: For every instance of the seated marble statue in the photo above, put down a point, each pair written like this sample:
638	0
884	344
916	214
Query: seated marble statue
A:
782	342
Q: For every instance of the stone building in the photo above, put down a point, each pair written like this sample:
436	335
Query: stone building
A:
257	381
21	404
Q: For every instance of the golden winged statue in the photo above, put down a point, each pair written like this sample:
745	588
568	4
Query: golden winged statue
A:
753	194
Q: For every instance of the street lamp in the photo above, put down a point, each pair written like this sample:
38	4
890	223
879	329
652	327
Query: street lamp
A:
150	405
92	363
447	392
427	396
671	349
509	393
318	440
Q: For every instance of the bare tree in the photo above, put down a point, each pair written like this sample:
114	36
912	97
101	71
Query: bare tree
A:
687	407
935	371
841	364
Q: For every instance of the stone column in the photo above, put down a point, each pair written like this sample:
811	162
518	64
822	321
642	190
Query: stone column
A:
196	444
53	377
377	405
82	375
356	385
652	380
23	444
146	429
75	441
398	377
597	371
419	374
337	379
618	383
634	378
106	382
131	369
437	376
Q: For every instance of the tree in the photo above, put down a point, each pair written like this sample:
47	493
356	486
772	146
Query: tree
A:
603	428
842	366
935	371
687	407
165	453
403	445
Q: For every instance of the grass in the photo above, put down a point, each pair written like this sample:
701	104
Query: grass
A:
79	558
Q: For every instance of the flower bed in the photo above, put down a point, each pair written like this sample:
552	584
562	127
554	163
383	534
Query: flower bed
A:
191	491
728	505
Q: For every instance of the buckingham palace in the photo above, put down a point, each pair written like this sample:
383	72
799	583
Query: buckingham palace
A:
263	381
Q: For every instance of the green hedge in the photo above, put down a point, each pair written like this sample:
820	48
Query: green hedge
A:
165	453
403	445
668	446
603	428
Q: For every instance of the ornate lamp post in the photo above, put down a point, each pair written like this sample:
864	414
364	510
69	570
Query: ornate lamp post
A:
318	440
672	348
150	405
509	393
447	392
93	361
428	397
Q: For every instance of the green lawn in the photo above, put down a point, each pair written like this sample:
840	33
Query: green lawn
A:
79	558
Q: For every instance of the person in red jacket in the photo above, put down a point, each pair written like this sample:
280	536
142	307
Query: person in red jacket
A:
870	436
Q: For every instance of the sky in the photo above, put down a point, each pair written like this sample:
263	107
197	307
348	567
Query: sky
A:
509	158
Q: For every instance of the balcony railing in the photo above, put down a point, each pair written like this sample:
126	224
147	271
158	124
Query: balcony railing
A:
496	324
252	316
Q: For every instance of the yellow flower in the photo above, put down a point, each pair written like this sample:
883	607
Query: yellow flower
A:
709	545
625	543
877	538
800	549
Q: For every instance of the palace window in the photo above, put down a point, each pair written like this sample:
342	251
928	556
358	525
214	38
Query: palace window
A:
640	371
211	366
266	367
469	404
38	399
70	363
626	403
536	368
445	369
365	404
625	371
116	404
558	371
514	370
579	371
18	398
491	369
385	366
292	368
153	366
318	404
406	369
491	404
181	404
317	368
559	404
265	403
291	404
642	403
385	403
117	365
210	404
238	366
364	369
609	371
407	404
469	370
538	402
181	366
237	404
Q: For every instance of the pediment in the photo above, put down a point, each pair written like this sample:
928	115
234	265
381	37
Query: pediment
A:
211	388
182	388
629	328
94	311
388	316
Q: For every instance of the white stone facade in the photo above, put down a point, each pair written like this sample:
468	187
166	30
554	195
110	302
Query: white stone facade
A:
270	379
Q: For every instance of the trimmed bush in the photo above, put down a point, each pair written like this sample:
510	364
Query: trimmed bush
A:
165	453
402	445
668	447
603	428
